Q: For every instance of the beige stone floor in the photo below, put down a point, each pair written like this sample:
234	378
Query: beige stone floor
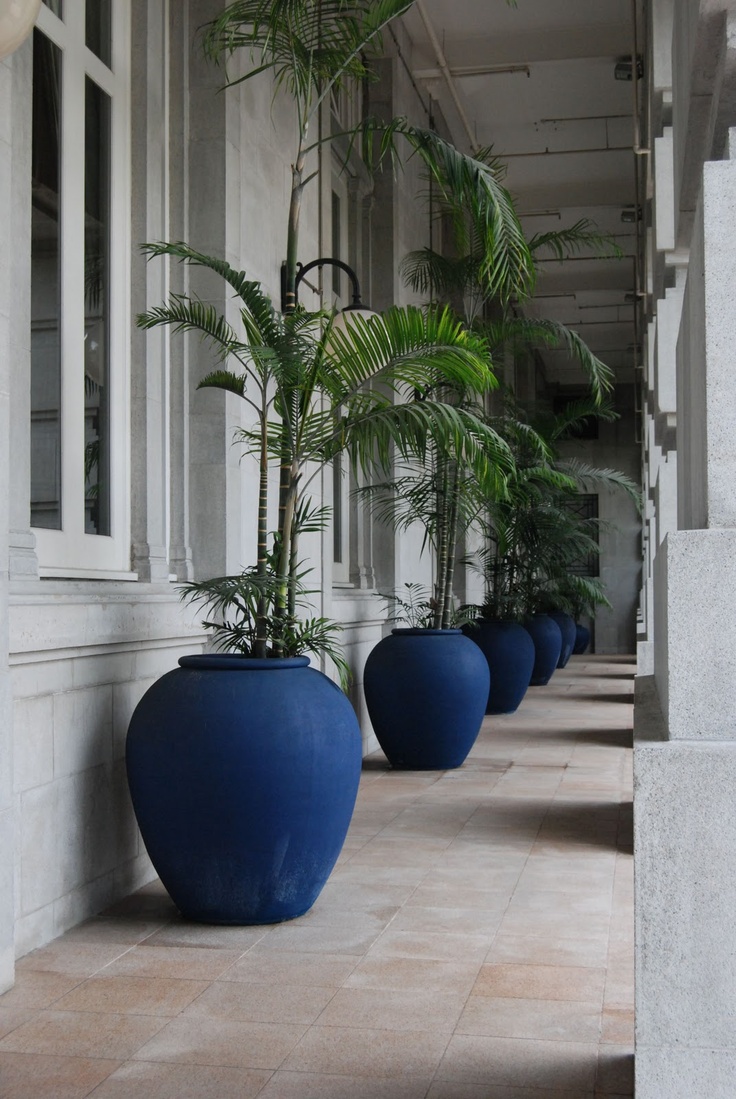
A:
475	941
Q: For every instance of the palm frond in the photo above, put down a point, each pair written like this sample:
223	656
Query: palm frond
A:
583	236
309	48
472	188
589	478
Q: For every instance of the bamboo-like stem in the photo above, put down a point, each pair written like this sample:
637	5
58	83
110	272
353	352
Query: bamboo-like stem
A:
260	647
442	538
454	489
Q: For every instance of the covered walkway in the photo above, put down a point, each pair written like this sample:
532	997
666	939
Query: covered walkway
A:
474	942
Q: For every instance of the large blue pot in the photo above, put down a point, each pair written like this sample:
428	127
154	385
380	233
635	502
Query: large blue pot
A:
547	638
426	692
582	639
243	775
566	622
510	653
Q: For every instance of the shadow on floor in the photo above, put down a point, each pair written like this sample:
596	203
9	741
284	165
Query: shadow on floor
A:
607	738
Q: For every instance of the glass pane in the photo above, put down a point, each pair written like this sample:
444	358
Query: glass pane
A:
337	517
56	6
336	241
98	29
45	287
96	310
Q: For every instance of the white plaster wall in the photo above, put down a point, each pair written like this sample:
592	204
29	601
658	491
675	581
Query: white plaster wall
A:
7	816
620	534
78	846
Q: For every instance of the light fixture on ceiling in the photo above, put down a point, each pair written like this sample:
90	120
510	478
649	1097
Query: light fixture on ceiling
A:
16	23
624	68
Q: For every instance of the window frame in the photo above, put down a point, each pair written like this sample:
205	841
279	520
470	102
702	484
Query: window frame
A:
70	552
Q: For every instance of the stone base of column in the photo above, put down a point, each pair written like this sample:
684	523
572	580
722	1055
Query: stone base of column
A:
685	894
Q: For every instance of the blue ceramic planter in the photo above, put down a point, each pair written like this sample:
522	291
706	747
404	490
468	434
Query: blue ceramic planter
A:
426	692
547	639
509	651
243	775
567	628
582	639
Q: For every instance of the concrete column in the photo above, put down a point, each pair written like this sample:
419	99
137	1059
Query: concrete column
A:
685	758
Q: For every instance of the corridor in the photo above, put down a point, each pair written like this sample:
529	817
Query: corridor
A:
475	941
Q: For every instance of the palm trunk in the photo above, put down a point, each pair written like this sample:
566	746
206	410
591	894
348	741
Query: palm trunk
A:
442	540
260	648
451	538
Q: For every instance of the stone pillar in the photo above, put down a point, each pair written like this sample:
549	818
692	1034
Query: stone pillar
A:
7	823
685	757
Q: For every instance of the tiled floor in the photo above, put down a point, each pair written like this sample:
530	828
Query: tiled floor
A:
474	942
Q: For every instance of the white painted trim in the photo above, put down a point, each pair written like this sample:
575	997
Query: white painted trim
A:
70	551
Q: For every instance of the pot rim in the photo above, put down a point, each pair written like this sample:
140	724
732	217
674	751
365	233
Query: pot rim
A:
235	662
424	631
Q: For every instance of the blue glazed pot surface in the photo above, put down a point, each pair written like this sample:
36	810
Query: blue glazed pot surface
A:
567	628
509	651
243	780
547	638
426	692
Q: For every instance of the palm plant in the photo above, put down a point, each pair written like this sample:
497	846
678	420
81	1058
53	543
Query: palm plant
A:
309	388
464	279
308	385
535	539
315	48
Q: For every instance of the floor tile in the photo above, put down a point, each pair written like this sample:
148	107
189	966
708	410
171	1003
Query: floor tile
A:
368	1052
132	995
11	1018
434	945
112	929
509	946
294	968
33	1076
182	933
204	1040
547	1020
528	1063
393	1009
154	1080
421	973
83	1034
313	1085
73	959
455	1089
542	982
37	989
262	1003
341	938
187	963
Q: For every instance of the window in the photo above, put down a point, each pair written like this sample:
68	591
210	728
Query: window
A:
585	507
79	296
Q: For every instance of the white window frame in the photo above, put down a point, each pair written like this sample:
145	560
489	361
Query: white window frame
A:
341	474
70	552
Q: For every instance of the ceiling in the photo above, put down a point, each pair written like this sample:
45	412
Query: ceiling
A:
536	82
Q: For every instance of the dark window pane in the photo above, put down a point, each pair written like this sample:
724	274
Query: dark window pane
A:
585	506
337	516
98	29
97	310
45	287
336	242
56	6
